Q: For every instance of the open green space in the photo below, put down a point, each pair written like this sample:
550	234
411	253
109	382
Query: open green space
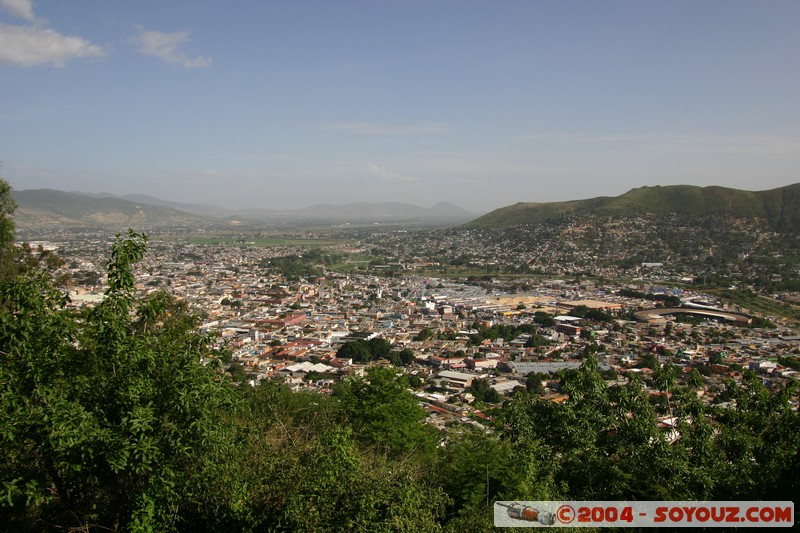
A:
756	303
263	242
352	263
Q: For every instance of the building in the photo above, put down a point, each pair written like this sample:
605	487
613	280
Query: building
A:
456	380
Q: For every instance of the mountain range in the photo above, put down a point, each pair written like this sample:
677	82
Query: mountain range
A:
49	207
778	208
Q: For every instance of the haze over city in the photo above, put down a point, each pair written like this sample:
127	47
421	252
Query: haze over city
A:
483	104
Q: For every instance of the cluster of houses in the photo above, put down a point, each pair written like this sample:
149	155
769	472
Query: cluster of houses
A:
275	327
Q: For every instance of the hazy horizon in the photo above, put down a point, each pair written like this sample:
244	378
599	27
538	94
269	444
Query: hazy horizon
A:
288	105
245	208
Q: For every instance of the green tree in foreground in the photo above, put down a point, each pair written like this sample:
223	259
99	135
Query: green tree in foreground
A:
7	206
106	416
385	414
607	442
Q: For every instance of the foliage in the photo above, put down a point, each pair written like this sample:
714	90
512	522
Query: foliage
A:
578	311
403	357
424	334
597	315
7	206
648	360
361	351
414	381
535	341
533	383
338	489
606	442
110	421
357	350
106	413
759	322
385	414
295	267
544	319
501	331
474	467
483	391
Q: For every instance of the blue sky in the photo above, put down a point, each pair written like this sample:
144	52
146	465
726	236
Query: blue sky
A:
483	104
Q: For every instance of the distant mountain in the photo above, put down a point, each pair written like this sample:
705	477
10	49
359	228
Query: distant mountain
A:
48	207
353	212
204	210
779	208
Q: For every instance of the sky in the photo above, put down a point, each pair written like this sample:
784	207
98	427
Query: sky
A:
288	104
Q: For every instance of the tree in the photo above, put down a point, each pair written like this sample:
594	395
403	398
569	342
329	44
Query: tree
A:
474	466
483	391
7	207
378	348
664	377
384	414
648	360
302	467
364	351
407	357
357	350
544	319
237	372
424	334
597	441
598	315
579	311
335	486
109	415
414	381
533	383
534	341
14	260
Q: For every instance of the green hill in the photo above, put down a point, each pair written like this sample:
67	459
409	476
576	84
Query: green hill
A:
47	207
779	207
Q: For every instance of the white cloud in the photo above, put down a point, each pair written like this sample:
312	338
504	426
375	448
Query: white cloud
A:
167	47
382	173
28	46
20	8
367	128
209	172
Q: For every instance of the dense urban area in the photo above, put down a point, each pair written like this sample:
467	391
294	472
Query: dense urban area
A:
283	310
472	364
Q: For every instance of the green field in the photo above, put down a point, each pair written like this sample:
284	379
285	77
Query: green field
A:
756	303
264	242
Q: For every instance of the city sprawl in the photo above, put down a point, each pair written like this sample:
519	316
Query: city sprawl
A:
472	316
